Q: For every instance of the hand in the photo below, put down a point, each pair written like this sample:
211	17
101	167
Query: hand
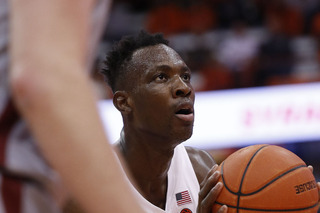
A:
318	184
319	190
209	191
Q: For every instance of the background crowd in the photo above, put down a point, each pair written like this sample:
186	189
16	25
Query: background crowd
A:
231	44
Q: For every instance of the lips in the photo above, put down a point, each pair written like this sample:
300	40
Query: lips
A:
185	112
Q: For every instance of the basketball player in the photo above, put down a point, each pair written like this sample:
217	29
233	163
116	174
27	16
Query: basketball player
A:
152	90
51	47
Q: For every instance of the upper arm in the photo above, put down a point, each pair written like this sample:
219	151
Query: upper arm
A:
201	161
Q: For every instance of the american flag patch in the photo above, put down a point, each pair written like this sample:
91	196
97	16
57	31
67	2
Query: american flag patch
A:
183	198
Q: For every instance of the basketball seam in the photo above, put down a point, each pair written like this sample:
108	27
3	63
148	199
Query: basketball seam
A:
270	182
223	180
275	179
239	193
244	174
267	210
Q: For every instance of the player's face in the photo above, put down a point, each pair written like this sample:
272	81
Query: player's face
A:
163	97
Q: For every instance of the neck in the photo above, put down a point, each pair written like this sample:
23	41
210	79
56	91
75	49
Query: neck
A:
148	166
145	161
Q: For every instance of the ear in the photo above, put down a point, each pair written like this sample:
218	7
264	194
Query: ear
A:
121	101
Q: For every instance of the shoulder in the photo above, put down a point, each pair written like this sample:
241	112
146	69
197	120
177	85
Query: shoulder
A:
201	161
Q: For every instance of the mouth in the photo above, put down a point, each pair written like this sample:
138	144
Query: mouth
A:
185	113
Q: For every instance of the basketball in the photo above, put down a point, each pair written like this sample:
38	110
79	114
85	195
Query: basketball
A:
266	178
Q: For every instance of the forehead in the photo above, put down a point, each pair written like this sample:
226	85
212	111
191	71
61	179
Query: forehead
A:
154	55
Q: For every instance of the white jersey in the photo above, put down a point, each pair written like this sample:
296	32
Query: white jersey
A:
183	187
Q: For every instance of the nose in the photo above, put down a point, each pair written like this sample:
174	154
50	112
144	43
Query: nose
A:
181	88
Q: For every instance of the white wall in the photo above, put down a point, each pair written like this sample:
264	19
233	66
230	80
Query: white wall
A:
239	117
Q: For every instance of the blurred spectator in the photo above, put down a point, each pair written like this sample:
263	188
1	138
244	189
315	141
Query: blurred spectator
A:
181	16
216	76
168	18
315	26
308	9
200	17
230	11
123	20
306	64
315	32
289	54
237	51
275	59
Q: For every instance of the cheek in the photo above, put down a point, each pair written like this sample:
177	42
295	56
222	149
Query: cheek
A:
153	96
152	119
152	108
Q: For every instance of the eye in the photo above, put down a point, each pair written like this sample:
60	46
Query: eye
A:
186	76
161	77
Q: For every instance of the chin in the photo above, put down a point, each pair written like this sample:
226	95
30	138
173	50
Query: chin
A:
185	135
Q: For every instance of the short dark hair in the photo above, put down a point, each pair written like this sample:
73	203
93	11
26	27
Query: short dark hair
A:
121	53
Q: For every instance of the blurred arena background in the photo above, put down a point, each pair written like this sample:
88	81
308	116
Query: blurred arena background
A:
258	56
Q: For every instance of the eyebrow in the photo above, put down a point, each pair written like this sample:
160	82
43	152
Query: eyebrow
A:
163	67
167	67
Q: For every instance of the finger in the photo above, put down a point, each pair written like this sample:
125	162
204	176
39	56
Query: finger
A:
209	184
311	168
211	197
223	209
211	171
319	190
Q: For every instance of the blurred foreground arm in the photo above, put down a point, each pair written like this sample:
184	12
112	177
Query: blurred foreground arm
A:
48	75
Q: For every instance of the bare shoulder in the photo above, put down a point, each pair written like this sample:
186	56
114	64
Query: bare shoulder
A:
201	161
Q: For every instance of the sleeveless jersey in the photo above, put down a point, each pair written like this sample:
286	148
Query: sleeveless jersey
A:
183	186
25	177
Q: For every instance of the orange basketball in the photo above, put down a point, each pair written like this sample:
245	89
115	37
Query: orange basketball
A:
267	178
